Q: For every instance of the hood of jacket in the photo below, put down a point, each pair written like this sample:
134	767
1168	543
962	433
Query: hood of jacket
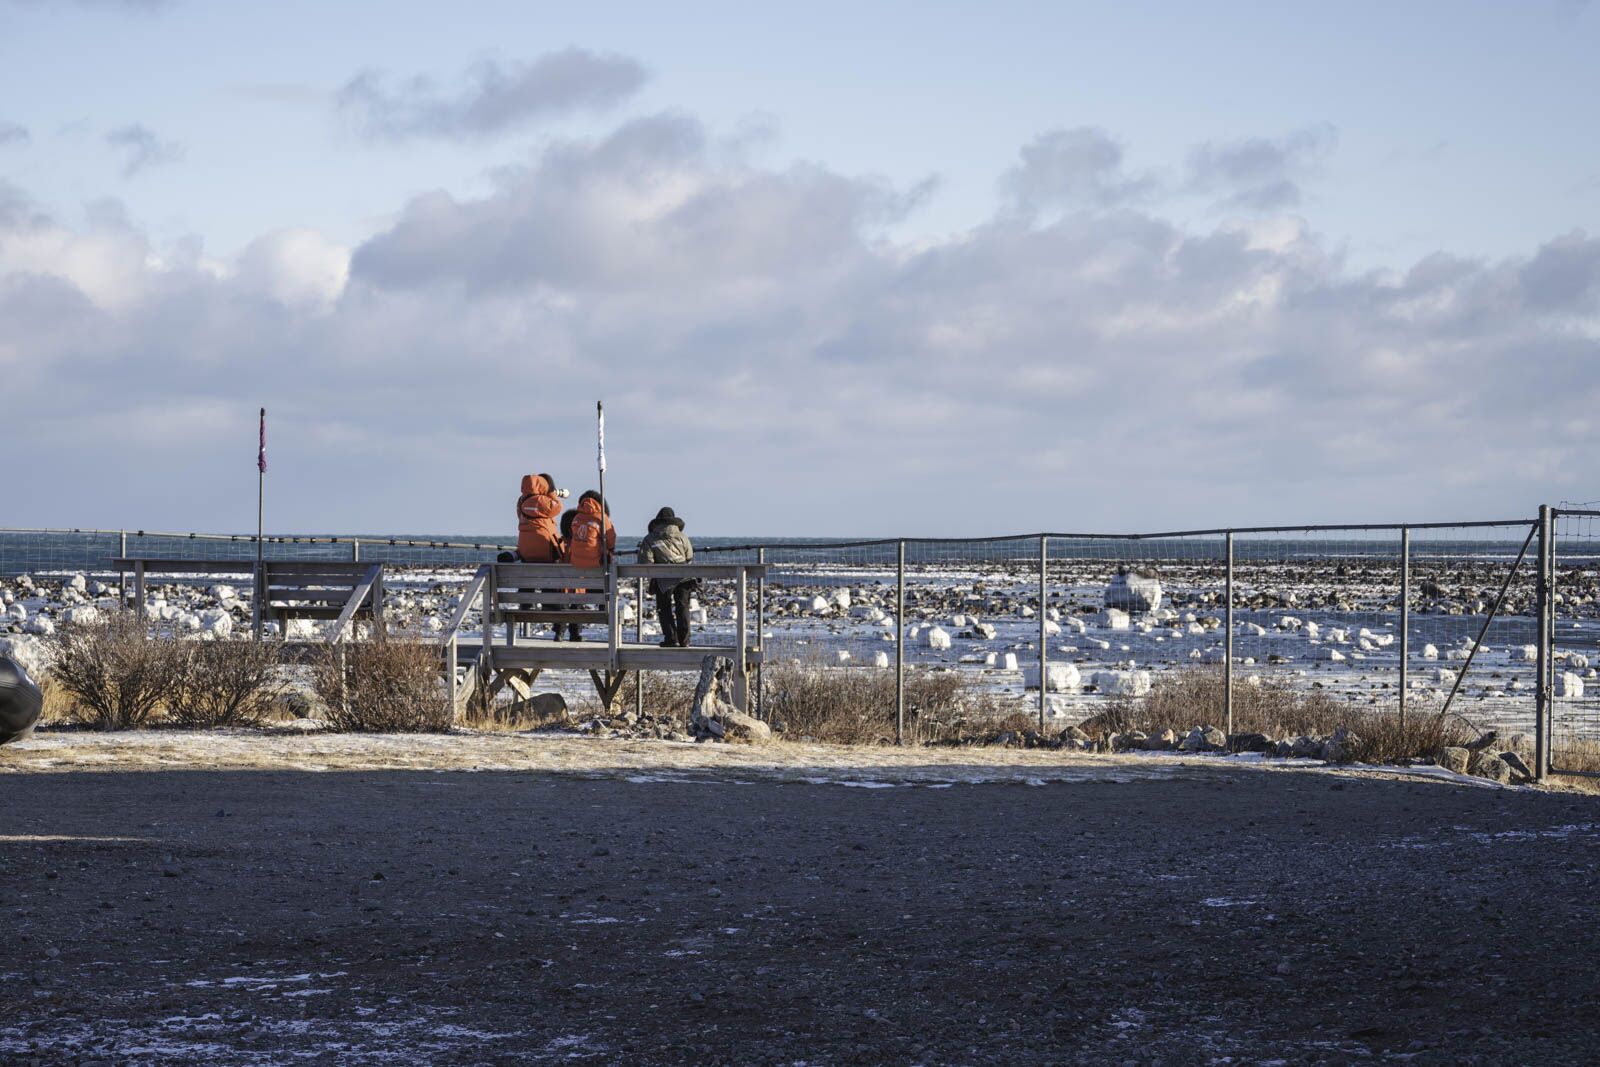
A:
589	507
536	485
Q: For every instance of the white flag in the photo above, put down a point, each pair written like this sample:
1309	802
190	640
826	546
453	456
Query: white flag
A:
602	414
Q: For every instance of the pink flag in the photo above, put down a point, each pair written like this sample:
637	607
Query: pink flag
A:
261	456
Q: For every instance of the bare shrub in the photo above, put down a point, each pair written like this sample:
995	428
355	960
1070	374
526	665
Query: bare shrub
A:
226	683
1184	699
113	674
382	686
853	705
667	694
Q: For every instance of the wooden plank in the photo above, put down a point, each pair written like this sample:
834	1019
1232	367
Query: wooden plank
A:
286	596
182	566
741	678
138	590
613	622
474	586
512	573
555	618
319	567
516	600
360	593
487	607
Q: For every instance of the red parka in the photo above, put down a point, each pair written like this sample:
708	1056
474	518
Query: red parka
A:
538	515
585	551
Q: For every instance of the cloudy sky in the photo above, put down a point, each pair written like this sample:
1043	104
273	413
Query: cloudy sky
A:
862	269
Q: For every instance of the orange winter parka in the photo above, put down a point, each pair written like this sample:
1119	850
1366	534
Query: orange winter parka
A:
538	515
585	550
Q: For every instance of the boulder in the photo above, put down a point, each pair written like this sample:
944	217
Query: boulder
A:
1006	661
1165	741
938	638
983	631
1249	743
1569	686
820	605
1073	733
40	625
1429	652
548	706
880	659
1203	739
1306	748
1341	747
1063	677
82	615
841	599
1454	759
1493	768
1519	768
1133	592
1114	619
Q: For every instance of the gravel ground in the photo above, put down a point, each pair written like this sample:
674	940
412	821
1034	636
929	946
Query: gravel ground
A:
1214	912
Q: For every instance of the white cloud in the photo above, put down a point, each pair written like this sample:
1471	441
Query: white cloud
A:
494	97
774	361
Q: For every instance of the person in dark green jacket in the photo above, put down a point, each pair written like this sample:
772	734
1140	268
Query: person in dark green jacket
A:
665	543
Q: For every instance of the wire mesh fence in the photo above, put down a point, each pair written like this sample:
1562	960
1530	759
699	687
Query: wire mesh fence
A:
1411	620
1574	600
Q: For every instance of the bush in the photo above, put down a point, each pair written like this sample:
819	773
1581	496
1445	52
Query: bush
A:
114	675
226	683
382	686
1183	699
855	705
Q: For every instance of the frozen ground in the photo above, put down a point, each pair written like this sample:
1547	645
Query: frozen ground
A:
199	898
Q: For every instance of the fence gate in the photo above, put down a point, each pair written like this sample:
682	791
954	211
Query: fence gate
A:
1573	601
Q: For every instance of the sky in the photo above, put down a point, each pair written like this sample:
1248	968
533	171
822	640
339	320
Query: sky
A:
864	269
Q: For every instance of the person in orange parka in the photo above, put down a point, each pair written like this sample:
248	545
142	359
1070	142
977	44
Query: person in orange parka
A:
538	510
585	549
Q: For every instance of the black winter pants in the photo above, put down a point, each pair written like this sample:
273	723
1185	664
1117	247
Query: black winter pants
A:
672	609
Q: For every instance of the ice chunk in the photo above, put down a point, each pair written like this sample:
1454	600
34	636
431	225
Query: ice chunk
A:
1133	592
1123	683
1063	677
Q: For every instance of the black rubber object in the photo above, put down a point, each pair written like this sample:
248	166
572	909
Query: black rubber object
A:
20	701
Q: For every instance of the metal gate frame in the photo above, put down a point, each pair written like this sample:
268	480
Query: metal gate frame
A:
1549	761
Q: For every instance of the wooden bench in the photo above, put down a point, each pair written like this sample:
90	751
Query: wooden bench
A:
509	594
286	589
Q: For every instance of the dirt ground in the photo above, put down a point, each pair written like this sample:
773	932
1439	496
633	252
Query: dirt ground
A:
619	907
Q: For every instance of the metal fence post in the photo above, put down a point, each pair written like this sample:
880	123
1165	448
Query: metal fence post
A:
761	632
900	649
1542	694
122	575
1227	640
1405	618
638	636
1044	645
355	551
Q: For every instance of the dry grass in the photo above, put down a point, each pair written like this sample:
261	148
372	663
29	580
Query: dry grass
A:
226	683
854	706
1184	699
382	687
114	677
57	701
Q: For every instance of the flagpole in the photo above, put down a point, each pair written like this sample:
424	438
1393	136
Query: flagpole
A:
261	498
600	459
